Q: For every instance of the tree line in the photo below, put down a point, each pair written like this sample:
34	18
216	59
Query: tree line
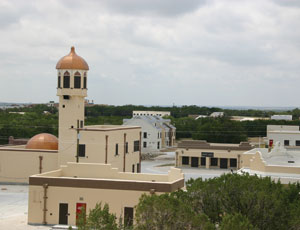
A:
220	130
229	202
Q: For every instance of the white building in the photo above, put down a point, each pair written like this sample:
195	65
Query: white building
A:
157	133
217	114
282	117
287	135
151	113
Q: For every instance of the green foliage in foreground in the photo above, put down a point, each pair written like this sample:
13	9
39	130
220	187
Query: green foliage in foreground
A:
230	202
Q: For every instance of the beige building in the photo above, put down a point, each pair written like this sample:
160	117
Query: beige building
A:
56	197
279	163
200	154
115	145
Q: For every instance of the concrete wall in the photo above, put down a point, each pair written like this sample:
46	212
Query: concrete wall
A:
16	164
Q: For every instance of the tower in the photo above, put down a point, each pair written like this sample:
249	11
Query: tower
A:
71	90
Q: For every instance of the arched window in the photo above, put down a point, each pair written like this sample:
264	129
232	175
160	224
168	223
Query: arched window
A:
66	79
77	80
84	80
58	81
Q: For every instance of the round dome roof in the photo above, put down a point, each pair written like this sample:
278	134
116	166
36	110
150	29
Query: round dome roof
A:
72	61
43	141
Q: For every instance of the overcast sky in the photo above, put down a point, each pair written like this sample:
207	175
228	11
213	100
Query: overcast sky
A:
155	52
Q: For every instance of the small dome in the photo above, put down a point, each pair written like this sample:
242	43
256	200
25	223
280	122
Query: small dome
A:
43	141
72	61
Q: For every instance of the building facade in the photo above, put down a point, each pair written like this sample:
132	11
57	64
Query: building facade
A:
57	197
200	154
157	132
151	113
287	135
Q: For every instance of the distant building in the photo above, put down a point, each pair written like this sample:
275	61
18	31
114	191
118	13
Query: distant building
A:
200	116
157	132
244	118
282	117
217	114
200	154
151	113
287	135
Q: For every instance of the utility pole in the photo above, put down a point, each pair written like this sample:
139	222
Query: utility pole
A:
78	137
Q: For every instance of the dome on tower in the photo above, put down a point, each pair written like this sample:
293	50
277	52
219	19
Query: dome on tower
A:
72	61
43	141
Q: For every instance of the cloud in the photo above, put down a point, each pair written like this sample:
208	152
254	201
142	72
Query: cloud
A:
154	52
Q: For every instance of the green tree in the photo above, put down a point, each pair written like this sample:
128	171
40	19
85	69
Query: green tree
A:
236	222
98	219
167	212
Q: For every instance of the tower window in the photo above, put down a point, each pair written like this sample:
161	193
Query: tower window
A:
66	80
77	80
84	82
66	97
58	82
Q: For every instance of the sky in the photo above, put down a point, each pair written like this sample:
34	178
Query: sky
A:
154	52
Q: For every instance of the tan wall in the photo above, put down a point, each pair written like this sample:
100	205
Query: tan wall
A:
17	165
257	164
105	171
95	142
117	200
245	160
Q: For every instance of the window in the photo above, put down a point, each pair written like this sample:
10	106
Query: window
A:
58	81
77	82
286	142
157	135
66	97
117	149
185	160
138	168
66	80
136	146
213	161
158	145
145	134
81	124
297	143
126	147
84	82
81	150
145	144
233	163
133	168
128	216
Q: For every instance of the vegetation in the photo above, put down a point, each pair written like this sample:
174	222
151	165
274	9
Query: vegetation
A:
221	130
229	202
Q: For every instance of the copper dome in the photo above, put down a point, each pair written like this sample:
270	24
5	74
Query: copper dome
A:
72	61
43	141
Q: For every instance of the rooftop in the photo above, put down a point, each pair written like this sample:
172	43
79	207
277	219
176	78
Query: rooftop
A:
92	175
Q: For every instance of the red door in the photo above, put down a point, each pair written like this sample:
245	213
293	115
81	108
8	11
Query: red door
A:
79	208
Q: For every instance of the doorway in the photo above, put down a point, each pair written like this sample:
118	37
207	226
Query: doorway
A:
223	163
195	162
63	214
